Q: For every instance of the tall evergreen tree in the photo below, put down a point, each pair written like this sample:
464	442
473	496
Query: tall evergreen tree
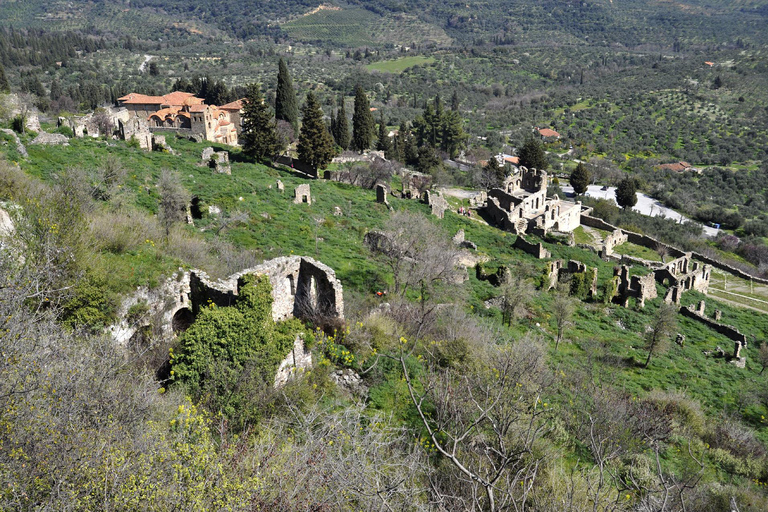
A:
5	87
452	134
315	142
363	125
341	134
383	143
259	133
626	193
56	91
455	102
286	108
580	178
532	155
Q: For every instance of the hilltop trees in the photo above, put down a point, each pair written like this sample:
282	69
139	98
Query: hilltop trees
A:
580	178
259	135
315	142
439	128
363	125
626	193
286	108
532	155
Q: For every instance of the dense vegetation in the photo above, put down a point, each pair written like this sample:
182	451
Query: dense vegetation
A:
478	388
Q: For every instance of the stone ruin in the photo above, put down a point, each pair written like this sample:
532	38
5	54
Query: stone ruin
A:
337	212
218	161
280	186
159	144
612	241
135	128
414	184
536	250
301	287
302	194
641	288
739	339
556	272
93	123
437	202
458	239
381	193
685	274
521	205
50	139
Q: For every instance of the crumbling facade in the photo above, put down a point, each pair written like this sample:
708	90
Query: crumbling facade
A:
437	203
616	238
301	288
521	205
536	250
302	194
641	288
685	274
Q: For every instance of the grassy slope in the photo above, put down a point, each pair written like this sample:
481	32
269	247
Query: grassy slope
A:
607	337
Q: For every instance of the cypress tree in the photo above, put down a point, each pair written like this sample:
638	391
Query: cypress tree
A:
383	143
342	127
626	193
286	108
455	102
363	124
532	155
580	178
315	142
452	134
5	87
259	133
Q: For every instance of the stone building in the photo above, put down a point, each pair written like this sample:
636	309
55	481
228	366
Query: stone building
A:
522	206
183	112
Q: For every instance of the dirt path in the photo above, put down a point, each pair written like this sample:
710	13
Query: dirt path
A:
143	65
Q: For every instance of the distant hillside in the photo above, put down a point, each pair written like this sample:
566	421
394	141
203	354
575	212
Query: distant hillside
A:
630	23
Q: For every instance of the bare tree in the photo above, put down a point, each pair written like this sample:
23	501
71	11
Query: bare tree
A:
516	293
174	200
563	308
762	356
663	324
487	424
421	258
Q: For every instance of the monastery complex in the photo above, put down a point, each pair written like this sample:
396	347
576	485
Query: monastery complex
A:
182	111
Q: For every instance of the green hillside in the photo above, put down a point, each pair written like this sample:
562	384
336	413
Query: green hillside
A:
698	403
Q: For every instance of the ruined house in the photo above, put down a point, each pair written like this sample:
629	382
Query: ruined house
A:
641	288
685	274
521	205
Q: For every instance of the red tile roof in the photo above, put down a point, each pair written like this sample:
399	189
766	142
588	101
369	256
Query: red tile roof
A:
676	167
177	98
234	105
546	132
512	159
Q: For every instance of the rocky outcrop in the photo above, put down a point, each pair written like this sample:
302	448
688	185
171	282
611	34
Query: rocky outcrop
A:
50	139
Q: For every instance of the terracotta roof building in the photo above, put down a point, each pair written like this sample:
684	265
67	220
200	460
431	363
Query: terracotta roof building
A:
183	111
547	133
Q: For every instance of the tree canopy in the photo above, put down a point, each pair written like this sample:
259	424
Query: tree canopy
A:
286	108
580	178
626	193
315	142
259	133
363	125
532	155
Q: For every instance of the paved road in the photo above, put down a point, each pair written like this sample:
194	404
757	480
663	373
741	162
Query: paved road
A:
645	205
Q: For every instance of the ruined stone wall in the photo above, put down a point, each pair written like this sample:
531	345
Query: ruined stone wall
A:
499	215
301	287
536	250
616	238
726	330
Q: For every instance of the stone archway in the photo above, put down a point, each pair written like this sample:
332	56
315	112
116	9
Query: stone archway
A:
182	319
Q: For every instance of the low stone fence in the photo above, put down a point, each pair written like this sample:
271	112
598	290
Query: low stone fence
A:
726	330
